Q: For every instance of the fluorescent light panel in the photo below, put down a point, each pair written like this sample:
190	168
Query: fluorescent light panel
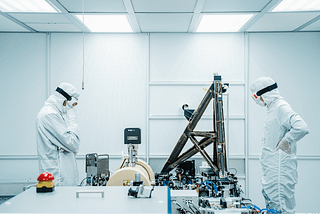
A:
223	22
297	5
106	23
26	6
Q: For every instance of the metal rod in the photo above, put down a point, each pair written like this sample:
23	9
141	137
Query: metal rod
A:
192	151
203	133
204	154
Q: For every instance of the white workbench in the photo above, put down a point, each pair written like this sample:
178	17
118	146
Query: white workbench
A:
64	200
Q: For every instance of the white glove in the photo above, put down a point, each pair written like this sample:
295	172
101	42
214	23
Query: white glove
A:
285	146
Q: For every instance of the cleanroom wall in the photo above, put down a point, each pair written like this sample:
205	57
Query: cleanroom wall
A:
23	85
140	80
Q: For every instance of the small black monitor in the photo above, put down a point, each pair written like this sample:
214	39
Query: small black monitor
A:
132	136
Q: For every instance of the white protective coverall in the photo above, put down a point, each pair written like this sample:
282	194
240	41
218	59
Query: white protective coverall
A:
57	139
279	168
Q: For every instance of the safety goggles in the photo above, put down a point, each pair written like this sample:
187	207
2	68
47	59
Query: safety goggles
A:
254	97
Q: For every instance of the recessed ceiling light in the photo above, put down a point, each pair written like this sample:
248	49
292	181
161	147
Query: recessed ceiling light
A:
106	23
297	5
223	22
27	6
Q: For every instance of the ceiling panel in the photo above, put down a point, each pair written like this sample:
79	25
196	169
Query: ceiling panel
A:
313	27
161	15
148	6
164	22
40	18
8	25
92	6
55	27
282	21
234	5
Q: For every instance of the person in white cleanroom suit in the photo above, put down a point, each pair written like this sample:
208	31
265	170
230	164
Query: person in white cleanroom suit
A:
282	129
57	136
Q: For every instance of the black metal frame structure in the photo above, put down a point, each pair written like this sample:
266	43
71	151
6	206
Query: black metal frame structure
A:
218	163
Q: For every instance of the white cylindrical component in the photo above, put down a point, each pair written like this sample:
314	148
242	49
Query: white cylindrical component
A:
137	177
147	168
125	174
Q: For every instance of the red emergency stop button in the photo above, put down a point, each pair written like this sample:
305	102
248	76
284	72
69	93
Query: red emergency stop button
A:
46	176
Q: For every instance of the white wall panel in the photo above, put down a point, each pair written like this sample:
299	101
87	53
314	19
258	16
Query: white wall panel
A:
168	100
19	169
255	174
235	101
23	90
307	189
115	94
192	57
236	137
164	135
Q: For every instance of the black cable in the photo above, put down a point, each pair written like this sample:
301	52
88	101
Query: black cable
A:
180	206
83	180
190	207
197	210
122	163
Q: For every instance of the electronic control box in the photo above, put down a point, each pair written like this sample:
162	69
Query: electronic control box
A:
132	136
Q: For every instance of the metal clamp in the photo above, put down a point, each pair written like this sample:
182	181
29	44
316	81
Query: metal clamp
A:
89	191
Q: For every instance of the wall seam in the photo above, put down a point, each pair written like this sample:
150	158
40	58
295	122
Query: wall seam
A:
48	64
148	99
246	144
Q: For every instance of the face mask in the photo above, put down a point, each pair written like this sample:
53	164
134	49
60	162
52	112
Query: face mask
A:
72	103
258	101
